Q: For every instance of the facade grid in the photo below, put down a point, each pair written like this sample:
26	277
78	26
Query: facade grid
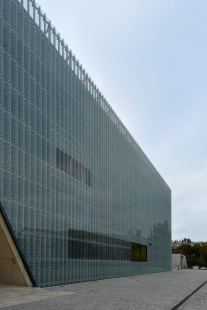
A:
78	190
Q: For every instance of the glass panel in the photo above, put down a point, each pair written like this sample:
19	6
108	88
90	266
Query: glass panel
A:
27	112
7	97
26	57
20	47
6	37
20	79
58	158
62	161
6	10
21	107
21	138
6	67
13	15
14	130
20	22
14	73
7	126
7	156
14	157
26	30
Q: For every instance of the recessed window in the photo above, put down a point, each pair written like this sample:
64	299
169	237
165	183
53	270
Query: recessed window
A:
139	252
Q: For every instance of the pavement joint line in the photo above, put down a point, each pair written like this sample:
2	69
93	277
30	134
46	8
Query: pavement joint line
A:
187	297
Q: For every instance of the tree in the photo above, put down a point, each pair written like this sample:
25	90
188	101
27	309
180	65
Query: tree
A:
195	255
203	252
186	240
196	249
184	249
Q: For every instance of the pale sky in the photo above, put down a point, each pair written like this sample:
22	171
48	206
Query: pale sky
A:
148	58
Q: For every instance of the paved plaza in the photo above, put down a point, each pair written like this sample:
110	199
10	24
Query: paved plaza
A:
151	291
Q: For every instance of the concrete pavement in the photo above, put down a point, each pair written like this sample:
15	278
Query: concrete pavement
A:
150	291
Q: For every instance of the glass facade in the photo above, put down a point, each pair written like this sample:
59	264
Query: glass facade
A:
83	199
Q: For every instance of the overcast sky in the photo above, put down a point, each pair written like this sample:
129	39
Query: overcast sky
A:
149	59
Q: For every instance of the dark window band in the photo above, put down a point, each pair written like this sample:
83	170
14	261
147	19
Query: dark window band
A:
69	165
87	245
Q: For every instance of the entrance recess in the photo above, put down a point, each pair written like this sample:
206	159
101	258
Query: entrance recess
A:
12	268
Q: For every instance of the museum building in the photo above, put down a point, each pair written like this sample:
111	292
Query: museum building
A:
79	199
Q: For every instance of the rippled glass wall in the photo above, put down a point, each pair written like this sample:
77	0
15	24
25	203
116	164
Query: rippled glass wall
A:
74	221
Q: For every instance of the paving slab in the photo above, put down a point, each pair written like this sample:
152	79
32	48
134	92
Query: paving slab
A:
150	291
15	295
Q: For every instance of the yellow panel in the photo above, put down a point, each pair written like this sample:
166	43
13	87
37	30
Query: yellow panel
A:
136	251
143	253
